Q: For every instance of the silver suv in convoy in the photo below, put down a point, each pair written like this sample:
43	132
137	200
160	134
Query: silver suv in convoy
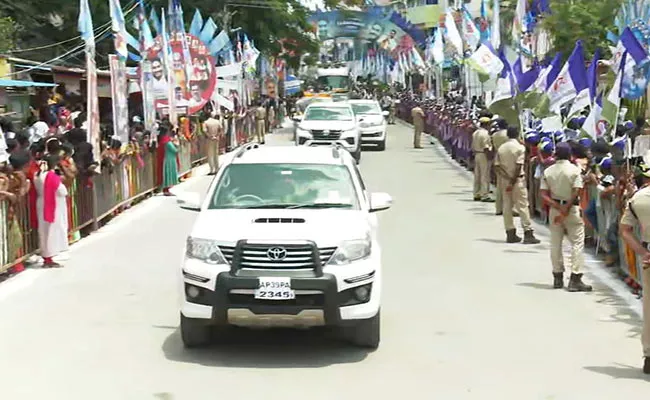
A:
330	123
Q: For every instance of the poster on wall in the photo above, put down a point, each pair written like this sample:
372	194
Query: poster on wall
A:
191	92
119	97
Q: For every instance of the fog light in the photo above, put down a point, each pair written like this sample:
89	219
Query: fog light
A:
193	292
362	293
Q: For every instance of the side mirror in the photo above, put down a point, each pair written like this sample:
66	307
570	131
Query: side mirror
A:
380	202
189	201
385	113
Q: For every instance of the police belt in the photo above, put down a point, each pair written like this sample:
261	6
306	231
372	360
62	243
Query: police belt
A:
576	202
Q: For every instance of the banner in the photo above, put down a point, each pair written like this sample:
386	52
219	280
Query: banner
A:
148	105
120	103
197	93
377	27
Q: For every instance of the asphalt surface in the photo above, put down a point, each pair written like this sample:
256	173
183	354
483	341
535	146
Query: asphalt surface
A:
464	315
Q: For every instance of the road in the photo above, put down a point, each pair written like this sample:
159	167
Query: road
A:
464	315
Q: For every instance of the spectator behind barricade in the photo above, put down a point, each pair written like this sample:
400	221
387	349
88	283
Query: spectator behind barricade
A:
83	151
23	140
168	160
13	187
52	211
8	128
12	145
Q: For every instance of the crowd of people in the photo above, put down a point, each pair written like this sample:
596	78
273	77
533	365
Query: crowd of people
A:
586	189
43	164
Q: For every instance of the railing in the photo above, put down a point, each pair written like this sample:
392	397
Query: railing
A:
94	199
457	142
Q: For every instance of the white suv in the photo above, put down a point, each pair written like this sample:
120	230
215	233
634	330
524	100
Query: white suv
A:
330	123
372	122
286	237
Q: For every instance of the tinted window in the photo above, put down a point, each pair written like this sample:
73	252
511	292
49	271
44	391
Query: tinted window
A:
284	186
366	108
328	114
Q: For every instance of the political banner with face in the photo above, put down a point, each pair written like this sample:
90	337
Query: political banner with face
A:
191	92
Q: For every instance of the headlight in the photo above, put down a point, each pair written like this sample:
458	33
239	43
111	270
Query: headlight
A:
351	250
348	132
302	132
205	250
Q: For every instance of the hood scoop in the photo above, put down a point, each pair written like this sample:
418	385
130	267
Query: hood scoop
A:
279	221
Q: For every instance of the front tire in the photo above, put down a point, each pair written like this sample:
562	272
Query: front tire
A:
195	332
366	333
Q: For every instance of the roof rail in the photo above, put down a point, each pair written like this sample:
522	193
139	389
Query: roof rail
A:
245	148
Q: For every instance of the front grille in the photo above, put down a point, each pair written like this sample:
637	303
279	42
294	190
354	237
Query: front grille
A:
321	135
256	256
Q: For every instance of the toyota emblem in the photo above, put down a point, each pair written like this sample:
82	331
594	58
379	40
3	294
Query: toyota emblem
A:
276	253
326	132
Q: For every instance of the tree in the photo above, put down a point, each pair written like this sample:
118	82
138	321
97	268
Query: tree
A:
8	30
586	20
265	21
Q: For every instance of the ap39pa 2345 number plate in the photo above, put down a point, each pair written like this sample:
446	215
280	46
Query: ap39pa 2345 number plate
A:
271	288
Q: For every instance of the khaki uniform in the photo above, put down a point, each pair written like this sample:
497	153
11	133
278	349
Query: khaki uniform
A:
271	118
481	143
418	126
560	179
214	132
498	139
640	203
510	156
260	123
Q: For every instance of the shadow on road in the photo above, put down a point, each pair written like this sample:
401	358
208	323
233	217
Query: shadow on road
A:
535	285
620	371
242	348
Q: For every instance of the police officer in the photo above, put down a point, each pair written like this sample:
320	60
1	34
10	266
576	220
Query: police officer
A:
509	165
481	145
637	213
260	122
560	189
418	126
499	138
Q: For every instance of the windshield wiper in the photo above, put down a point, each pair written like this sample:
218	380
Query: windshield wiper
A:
259	206
321	205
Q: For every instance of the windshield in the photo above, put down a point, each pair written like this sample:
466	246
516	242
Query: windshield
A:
366	108
285	186
328	114
334	82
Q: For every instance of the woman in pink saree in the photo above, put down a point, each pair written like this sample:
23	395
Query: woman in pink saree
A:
52	211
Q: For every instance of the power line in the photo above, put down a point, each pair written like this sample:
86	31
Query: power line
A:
133	6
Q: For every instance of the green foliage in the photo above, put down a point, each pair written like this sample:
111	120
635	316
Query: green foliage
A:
586	20
8	30
267	22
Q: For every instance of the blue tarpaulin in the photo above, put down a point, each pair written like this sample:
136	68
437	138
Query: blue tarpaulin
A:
13	83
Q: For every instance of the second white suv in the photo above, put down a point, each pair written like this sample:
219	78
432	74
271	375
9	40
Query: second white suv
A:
330	123
287	237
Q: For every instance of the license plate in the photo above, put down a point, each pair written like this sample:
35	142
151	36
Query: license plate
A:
275	289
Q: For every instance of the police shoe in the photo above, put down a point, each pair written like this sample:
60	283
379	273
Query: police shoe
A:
511	236
646	366
576	284
529	237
